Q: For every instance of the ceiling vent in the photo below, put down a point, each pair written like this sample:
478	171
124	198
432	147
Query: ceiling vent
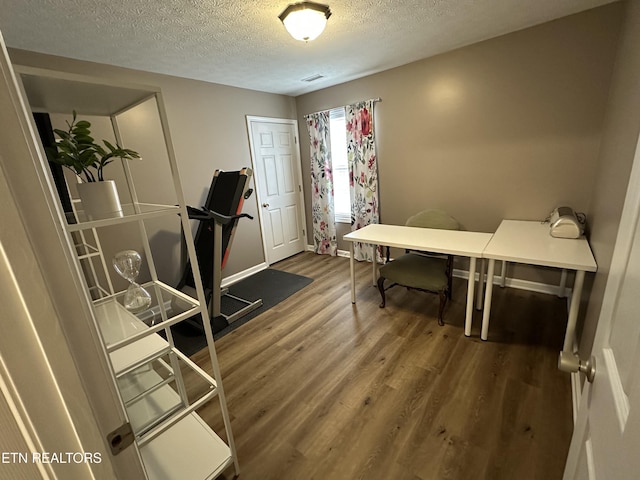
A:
313	78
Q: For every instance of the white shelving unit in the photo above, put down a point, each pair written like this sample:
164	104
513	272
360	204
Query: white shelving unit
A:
173	441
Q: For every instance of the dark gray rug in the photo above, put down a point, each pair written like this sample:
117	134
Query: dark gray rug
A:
272	286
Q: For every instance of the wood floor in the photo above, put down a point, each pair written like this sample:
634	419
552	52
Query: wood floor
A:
318	388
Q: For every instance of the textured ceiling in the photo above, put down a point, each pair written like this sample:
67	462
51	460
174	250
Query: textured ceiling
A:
243	43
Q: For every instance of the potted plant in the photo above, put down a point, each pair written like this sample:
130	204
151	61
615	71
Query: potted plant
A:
77	150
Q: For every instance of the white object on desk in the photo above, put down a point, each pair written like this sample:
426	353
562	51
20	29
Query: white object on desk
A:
451	242
564	223
529	242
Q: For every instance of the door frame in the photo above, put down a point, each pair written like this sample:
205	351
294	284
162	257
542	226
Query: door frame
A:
303	220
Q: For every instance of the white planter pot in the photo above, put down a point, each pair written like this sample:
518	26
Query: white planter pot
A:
100	200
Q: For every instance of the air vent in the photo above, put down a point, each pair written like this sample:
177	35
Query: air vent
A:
313	78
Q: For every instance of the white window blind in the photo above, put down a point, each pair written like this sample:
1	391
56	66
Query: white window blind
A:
338	133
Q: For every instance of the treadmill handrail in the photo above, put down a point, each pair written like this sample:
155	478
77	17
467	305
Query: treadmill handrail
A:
204	213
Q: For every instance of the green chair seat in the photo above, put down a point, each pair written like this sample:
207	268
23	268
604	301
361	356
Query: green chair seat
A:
417	271
422	271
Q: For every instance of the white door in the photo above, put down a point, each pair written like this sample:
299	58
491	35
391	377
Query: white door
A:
606	439
276	161
34	259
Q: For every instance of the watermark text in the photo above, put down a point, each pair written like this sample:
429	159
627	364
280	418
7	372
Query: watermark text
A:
50	457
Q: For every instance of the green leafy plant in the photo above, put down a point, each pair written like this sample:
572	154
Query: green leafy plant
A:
77	151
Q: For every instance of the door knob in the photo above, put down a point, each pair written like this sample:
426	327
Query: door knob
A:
265	205
570	362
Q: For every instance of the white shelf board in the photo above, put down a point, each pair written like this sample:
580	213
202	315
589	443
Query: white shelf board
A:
189	450
115	324
152	407
146	210
55	92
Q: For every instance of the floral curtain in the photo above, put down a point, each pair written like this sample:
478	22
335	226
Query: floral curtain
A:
363	171
324	227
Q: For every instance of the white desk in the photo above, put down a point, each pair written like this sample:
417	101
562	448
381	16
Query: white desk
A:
529	242
453	242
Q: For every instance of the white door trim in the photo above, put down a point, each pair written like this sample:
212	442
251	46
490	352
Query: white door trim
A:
284	121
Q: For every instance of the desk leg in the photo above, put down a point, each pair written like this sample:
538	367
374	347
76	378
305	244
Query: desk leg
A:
480	284
562	289
374	264
487	300
470	285
503	275
573	311
352	267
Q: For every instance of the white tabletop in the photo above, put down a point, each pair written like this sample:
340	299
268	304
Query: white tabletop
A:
529	242
454	242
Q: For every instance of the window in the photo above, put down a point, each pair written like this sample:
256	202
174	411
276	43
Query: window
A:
341	195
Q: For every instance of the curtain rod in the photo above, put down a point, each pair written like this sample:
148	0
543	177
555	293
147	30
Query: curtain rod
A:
378	99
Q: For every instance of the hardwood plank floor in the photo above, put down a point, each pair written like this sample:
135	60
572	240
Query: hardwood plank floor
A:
318	388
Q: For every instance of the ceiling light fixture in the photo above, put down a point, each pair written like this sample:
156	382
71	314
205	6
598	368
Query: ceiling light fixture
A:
305	20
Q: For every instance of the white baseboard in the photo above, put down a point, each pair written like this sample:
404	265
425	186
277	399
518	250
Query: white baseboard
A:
517	283
497	280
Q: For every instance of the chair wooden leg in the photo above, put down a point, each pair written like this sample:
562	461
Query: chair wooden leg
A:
443	301
381	288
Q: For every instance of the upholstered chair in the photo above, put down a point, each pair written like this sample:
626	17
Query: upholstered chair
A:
423	271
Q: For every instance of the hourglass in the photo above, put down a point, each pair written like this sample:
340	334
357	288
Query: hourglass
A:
127	264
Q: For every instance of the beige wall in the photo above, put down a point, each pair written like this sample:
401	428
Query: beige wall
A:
619	143
506	128
208	129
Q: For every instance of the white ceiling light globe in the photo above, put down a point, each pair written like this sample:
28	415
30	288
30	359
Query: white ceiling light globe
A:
305	21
